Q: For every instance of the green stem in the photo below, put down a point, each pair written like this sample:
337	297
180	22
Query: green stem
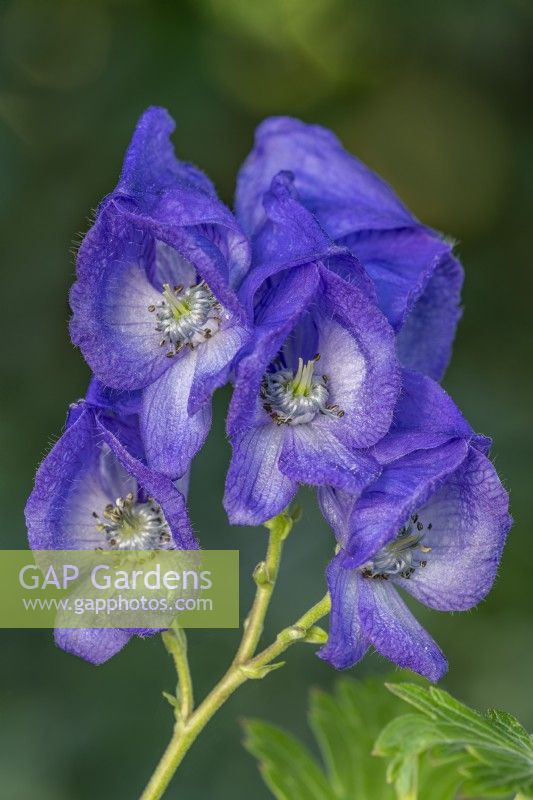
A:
176	643
265	575
259	666
245	666
303	630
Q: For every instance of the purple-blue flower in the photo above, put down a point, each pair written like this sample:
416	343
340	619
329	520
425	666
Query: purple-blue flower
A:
154	303
433	524
316	387
417	278
94	490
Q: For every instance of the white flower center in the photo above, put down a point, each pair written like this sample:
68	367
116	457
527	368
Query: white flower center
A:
297	398
402	556
130	525
186	317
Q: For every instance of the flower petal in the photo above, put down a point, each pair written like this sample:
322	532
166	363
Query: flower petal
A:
88	467
200	243
470	520
214	361
155	485
95	645
312	454
395	633
256	490
172	437
425	340
346	643
357	353
425	416
402	488
150	163
337	507
401	264
290	235
169	266
122	403
282	307
342	192
112	324
170	192
67	490
166	194
163	220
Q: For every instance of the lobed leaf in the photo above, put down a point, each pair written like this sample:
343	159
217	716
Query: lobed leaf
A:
492	753
287	767
345	724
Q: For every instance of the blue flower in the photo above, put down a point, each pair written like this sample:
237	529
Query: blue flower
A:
87	491
417	278
154	304
433	524
317	385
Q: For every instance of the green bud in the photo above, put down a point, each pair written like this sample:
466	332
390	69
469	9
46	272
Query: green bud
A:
257	673
316	635
261	575
171	699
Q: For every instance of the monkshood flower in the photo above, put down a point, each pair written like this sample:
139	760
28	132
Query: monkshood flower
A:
433	524
154	303
417	278
317	385
94	491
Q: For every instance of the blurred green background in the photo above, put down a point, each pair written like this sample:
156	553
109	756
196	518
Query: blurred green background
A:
435	96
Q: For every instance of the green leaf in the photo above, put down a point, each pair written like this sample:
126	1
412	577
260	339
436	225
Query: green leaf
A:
287	767
345	724
439	751
492	753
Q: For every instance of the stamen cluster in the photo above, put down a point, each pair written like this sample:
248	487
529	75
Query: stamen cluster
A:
130	525
401	556
297	398
186	317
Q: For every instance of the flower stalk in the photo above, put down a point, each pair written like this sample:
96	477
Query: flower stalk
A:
176	644
246	664
265	576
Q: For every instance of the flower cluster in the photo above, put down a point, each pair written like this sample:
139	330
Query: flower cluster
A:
332	312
